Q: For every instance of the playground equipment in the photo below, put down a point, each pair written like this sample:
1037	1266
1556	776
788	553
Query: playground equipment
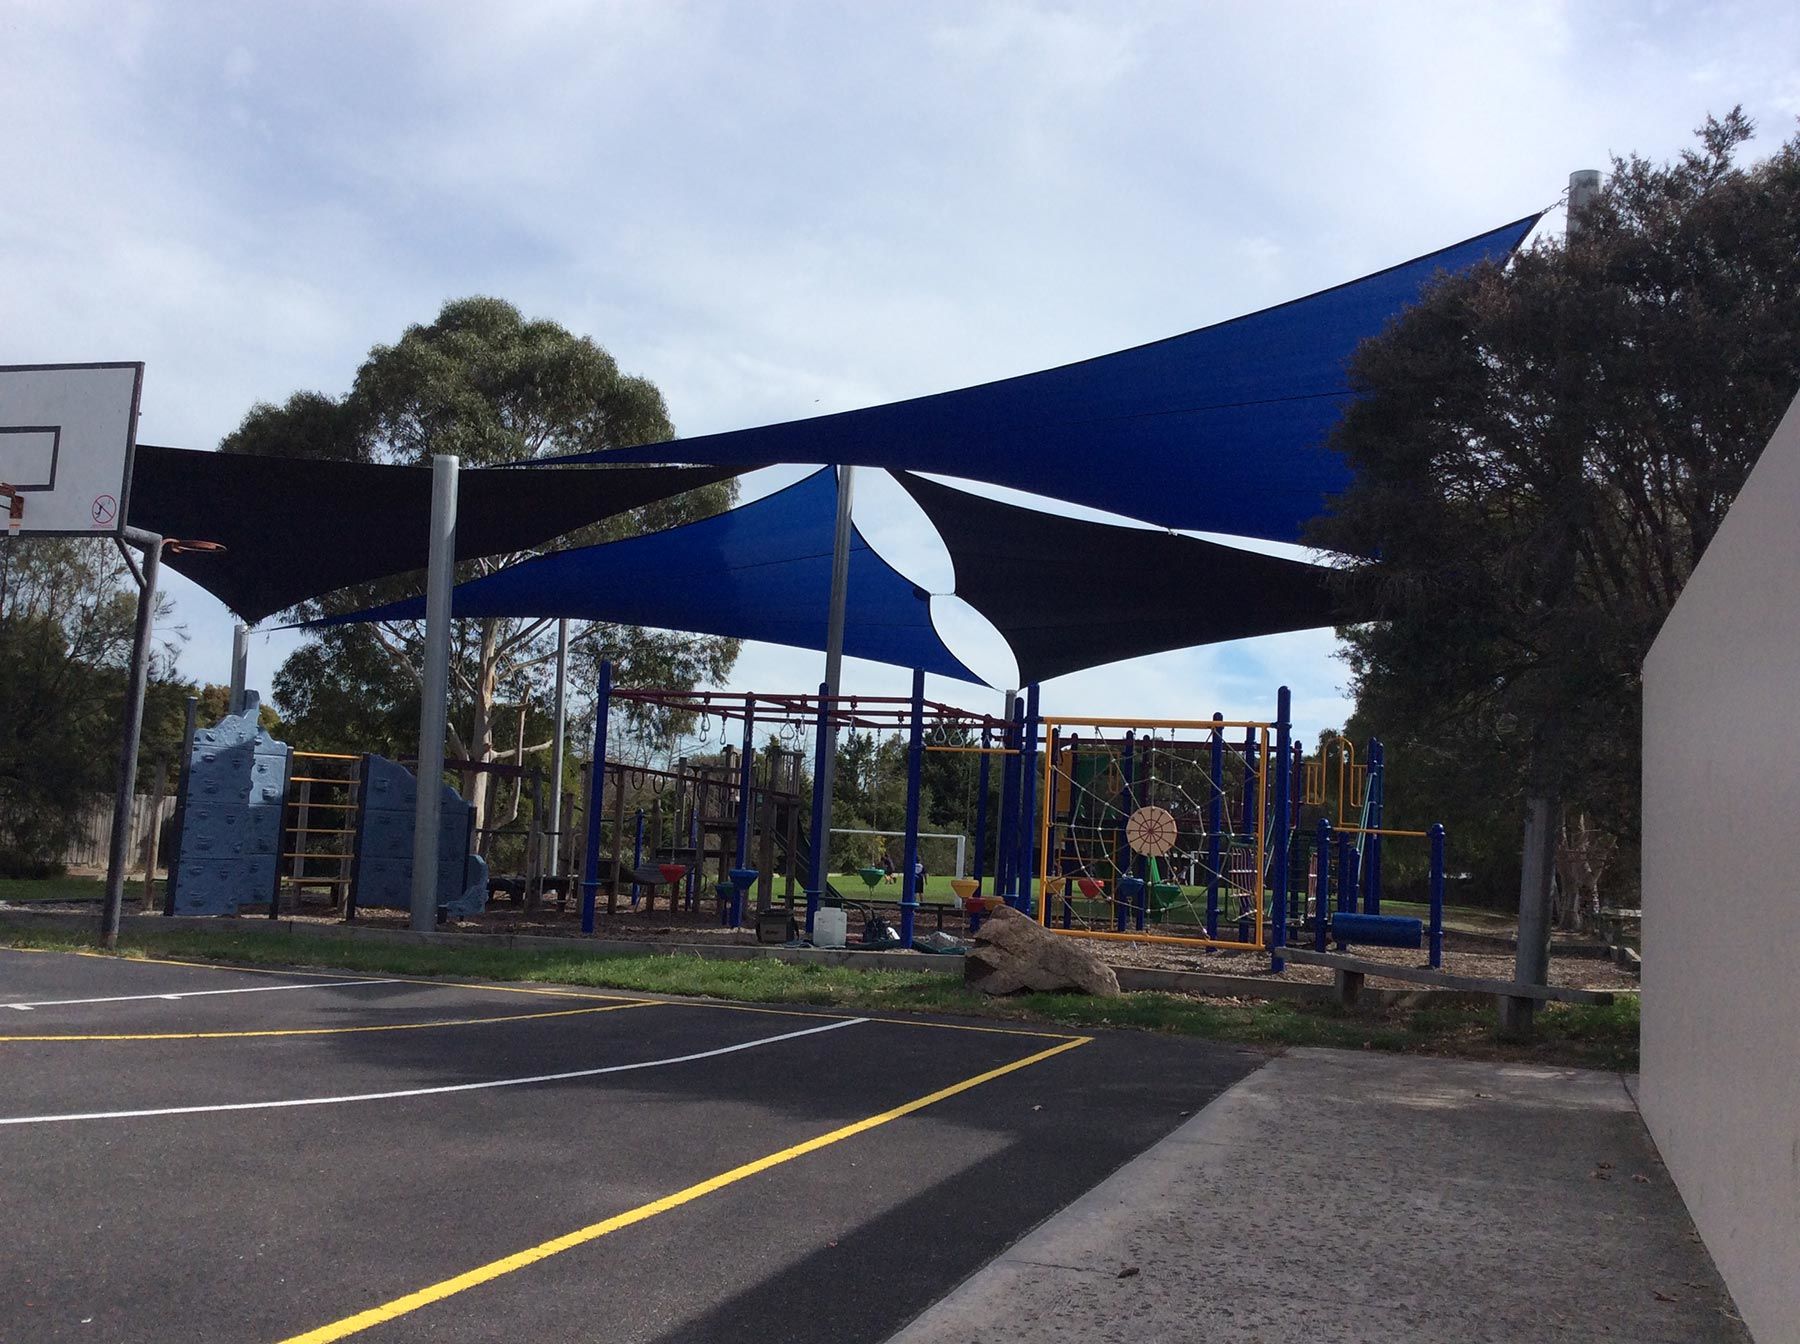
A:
247	820
228	810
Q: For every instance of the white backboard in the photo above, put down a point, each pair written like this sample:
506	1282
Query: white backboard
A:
67	432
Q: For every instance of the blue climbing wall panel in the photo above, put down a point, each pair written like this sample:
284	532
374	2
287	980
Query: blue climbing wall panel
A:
382	873
231	817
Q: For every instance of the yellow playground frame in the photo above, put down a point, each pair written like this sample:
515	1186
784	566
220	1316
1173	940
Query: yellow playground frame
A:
1264	732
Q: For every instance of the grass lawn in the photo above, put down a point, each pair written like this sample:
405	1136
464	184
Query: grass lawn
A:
1587	1037
21	889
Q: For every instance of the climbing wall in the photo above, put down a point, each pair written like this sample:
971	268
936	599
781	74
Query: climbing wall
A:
231	808
382	872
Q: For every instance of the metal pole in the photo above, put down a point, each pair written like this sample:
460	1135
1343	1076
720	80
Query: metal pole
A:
240	667
1584	185
981	804
746	783
590	876
136	679
1215	821
1009	790
1537	868
1437	895
173	862
1376	810
915	769
1284	708
1321	882
434	695
821	808
558	737
834	641
1028	786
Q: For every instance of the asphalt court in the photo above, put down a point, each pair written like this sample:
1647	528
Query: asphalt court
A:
210	1154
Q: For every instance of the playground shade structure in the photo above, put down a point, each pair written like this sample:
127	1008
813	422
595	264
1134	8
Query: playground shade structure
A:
762	571
1223	429
298	528
1066	593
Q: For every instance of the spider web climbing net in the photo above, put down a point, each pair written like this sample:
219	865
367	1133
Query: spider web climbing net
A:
1161	805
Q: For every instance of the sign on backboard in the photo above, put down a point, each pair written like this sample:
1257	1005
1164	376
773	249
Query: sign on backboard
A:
67	432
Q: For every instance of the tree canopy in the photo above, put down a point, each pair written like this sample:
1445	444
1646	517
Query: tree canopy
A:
484	383
1541	453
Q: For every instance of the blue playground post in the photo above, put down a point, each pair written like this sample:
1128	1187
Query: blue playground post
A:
1028	786
815	866
1296	792
590	879
637	857
1321	883
1437	895
981	804
1377	807
1215	820
915	767
746	782
1009	798
1253	825
1346	892
1281	813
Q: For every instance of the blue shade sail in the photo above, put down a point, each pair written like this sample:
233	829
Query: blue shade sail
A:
762	571
1222	429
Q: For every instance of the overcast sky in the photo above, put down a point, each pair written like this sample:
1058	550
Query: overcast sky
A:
774	210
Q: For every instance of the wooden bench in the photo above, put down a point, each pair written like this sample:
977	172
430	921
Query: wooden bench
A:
1352	971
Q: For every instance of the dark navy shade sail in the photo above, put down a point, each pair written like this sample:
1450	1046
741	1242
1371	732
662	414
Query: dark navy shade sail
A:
1068	594
296	528
762	571
1222	429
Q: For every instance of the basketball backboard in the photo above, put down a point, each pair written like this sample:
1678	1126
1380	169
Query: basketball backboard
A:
67	432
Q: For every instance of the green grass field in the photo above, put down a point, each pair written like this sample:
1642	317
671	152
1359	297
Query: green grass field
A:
1584	1037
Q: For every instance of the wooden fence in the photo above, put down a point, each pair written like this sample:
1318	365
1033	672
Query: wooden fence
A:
94	833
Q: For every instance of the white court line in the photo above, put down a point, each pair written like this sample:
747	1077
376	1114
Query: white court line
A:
195	993
431	1091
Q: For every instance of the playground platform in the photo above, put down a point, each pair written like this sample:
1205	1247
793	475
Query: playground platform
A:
1414	1201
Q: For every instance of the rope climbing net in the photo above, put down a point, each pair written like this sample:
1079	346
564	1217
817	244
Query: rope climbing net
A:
1157	831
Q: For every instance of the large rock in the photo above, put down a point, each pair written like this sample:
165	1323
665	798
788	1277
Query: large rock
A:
1013	953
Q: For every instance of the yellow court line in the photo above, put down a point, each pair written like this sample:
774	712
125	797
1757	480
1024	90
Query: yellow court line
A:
6	1038
474	1278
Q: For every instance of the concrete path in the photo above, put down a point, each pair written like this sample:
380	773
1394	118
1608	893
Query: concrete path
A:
1334	1196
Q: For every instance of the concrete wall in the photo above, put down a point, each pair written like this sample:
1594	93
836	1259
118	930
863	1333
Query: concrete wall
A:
1721	1032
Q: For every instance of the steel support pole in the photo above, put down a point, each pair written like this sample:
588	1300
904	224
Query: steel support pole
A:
826	780
816	852
1278	811
915	770
1028	791
746	783
173	863
131	733
558	743
240	667
1009	790
434	695
590	874
981	805
1215	822
1437	895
